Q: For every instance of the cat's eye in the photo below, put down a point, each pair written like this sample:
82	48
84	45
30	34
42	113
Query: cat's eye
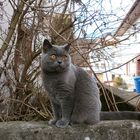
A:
65	56
53	57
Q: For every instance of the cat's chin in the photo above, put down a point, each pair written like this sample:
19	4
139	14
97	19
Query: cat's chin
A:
60	69
56	70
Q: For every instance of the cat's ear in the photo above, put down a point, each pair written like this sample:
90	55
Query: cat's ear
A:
46	45
67	47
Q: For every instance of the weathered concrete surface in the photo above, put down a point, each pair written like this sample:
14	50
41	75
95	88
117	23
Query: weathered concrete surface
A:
107	130
125	95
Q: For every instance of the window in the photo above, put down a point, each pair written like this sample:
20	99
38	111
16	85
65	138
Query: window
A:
102	65
113	76
97	66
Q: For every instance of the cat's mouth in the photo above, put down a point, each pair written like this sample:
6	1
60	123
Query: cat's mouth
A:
59	68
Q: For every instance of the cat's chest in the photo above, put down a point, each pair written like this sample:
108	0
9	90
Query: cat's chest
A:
58	90
60	86
50	86
57	86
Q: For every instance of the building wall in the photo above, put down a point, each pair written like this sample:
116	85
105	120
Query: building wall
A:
138	67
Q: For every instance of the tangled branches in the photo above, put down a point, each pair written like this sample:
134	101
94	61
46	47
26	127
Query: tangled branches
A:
24	24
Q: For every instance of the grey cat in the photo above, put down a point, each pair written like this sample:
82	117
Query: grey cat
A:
74	95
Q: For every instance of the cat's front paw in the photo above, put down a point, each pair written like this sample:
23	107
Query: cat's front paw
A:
52	121
62	123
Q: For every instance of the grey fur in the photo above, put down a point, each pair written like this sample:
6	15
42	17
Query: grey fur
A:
73	93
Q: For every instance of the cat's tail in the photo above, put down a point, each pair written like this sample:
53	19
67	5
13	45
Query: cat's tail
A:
121	115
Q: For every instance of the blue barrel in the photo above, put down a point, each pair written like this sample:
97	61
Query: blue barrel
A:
137	83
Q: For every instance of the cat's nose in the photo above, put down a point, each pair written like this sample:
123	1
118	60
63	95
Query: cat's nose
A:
59	62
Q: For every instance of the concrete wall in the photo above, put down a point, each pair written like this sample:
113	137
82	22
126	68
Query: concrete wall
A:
107	130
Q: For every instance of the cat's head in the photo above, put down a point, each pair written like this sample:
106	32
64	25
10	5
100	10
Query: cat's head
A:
55	58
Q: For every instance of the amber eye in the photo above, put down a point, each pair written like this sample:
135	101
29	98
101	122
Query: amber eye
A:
65	56
53	57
